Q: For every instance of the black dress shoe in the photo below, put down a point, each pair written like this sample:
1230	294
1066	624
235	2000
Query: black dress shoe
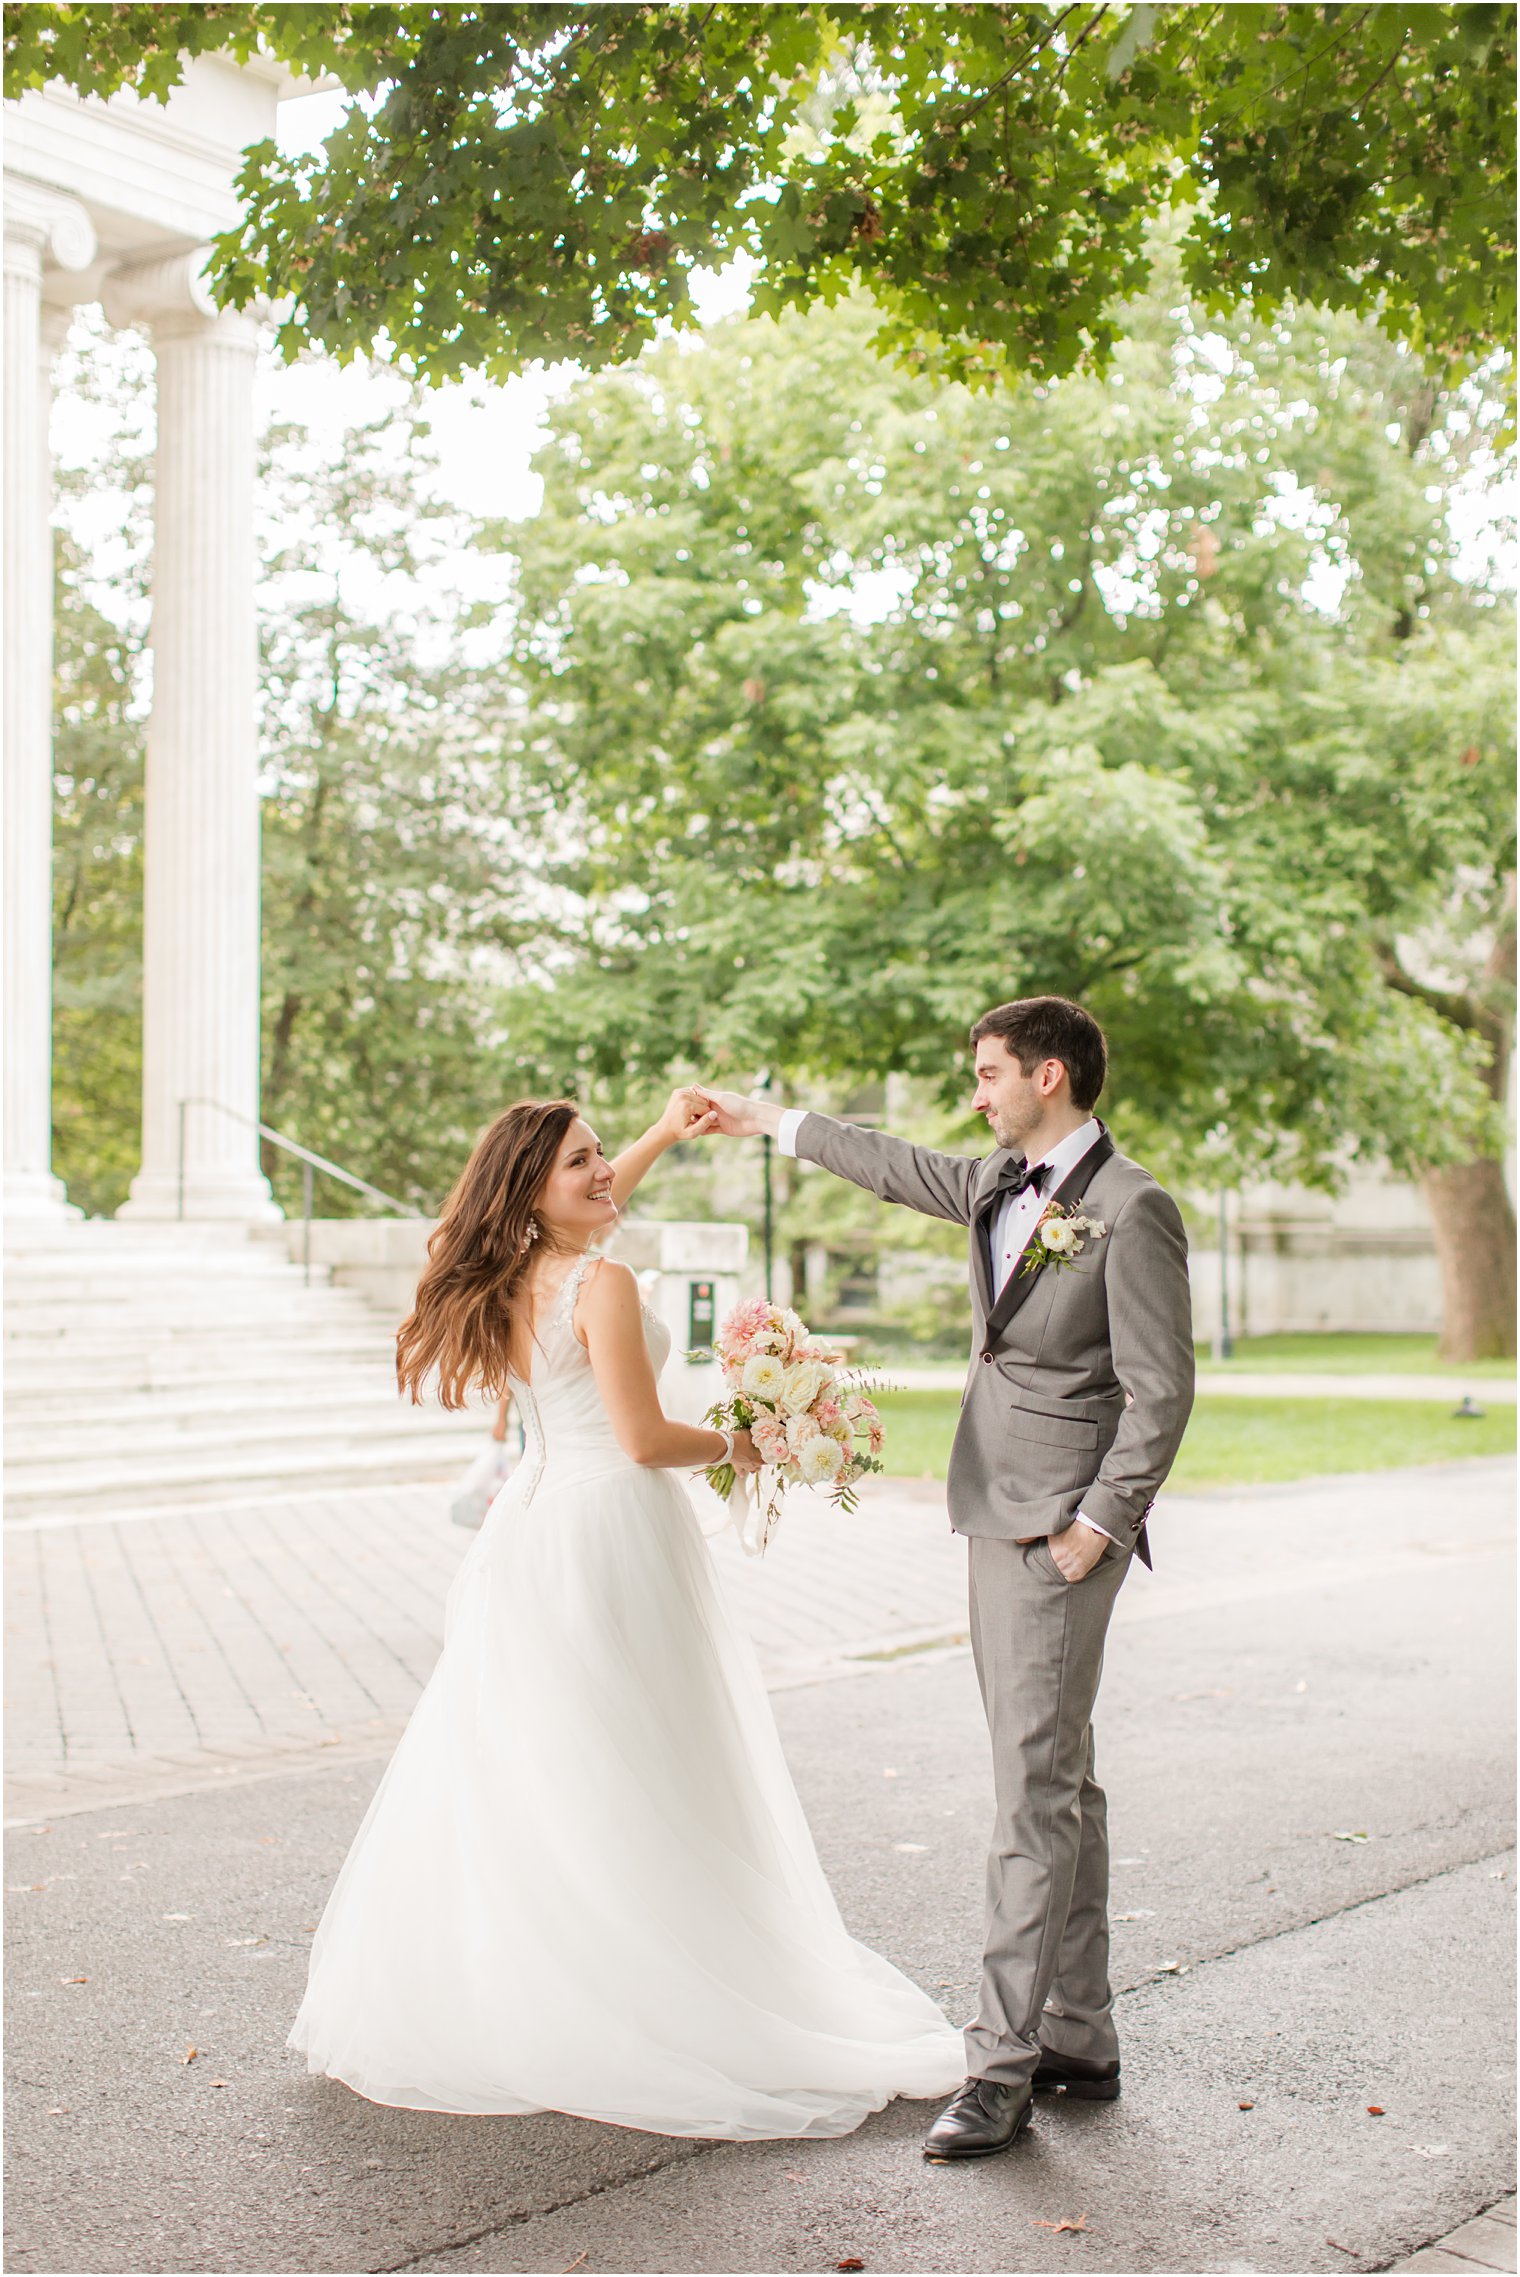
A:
985	2117
1077	2075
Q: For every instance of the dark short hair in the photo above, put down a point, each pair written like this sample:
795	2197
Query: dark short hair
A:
1051	1027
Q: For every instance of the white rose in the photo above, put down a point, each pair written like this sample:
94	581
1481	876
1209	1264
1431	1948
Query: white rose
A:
822	1460
763	1377
804	1383
1058	1237
801	1430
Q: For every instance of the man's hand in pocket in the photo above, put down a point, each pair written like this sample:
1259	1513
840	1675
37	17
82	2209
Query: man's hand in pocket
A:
1077	1550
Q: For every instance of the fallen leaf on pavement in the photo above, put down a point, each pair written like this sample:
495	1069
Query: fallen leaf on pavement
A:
1351	1838
1079	2224
1170	1969
1141	1913
176	1917
189	2055
73	1980
57	2110
851	2261
793	2176
1375	2111
220	2083
1245	2107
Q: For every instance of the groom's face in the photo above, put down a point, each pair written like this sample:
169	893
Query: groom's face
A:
1013	1102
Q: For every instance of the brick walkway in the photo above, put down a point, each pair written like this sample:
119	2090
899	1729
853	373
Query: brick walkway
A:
194	1646
148	1654
1488	2242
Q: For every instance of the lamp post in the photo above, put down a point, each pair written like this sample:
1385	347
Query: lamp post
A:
1224	1342
767	1208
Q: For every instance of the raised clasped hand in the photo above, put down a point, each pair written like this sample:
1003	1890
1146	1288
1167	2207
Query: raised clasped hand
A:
735	1115
688	1115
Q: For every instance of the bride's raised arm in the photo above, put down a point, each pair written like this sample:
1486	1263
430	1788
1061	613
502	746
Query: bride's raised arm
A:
687	1116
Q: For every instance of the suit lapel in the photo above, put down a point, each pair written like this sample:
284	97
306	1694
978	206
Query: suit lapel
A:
981	1228
1020	1285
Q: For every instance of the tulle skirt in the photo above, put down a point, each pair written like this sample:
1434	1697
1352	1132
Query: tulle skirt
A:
585	1883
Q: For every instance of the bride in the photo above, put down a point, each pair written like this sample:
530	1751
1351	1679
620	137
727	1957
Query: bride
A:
585	1883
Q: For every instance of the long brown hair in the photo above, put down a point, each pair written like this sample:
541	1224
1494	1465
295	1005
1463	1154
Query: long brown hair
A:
461	1320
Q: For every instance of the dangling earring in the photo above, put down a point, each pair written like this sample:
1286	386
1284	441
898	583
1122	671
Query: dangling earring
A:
529	1237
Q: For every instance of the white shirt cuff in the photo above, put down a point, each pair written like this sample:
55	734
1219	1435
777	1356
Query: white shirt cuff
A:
790	1124
1082	1519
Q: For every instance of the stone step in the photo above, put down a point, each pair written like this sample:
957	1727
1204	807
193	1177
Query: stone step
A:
284	1391
169	1314
232	1437
110	1236
85	1277
209	1346
152	1366
124	1481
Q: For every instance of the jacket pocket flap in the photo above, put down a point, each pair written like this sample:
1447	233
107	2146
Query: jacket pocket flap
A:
1053	1430
1099	1411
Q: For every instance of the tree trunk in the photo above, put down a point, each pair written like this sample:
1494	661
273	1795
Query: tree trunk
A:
1470	1210
1474	1227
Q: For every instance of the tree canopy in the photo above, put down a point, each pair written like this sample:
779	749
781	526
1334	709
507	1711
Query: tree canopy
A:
861	701
538	181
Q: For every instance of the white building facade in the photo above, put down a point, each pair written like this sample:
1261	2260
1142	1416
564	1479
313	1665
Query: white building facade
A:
115	202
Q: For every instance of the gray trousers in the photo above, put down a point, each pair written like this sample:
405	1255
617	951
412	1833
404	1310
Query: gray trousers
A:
1038	1644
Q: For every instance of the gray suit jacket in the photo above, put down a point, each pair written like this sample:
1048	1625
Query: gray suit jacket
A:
1045	1424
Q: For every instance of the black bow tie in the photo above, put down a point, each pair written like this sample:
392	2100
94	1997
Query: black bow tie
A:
1020	1177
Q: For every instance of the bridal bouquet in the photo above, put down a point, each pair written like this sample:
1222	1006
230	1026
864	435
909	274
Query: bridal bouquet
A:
805	1416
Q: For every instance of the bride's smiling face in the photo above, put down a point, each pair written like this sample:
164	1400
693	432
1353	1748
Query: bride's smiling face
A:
576	1201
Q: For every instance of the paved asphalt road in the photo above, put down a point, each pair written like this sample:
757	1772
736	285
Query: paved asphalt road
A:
1267	1959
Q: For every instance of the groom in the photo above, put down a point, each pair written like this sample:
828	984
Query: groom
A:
1077	1396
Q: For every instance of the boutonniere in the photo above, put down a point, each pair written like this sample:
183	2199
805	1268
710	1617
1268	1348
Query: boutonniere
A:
1060	1238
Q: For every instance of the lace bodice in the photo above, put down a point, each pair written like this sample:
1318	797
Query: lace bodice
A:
564	1420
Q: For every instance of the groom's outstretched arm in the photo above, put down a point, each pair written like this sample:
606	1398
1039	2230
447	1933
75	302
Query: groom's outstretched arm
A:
938	1185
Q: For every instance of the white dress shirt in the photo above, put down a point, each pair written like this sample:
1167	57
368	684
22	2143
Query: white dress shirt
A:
1017	1215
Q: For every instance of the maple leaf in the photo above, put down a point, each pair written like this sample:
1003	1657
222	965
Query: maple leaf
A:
189	2055
1079	2224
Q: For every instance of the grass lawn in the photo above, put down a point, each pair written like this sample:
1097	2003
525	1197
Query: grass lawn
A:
1351	1355
1243	1442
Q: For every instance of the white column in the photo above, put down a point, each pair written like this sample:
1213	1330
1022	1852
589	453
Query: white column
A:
42	229
201	857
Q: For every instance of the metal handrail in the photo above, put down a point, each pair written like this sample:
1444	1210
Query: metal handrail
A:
310	1164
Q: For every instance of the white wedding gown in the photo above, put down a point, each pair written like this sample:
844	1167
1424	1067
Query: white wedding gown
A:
585	1883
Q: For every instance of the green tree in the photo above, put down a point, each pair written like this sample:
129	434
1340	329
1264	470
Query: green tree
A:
864	701
524	181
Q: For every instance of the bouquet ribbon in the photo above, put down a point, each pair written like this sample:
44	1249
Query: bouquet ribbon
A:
751	1507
